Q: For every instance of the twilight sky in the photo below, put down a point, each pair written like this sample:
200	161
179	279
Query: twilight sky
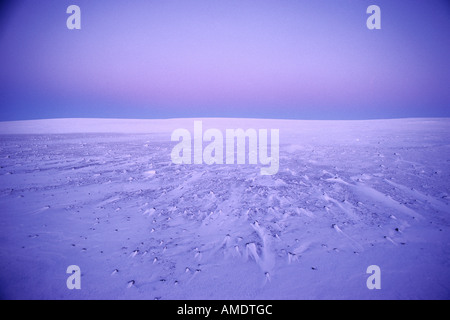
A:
301	59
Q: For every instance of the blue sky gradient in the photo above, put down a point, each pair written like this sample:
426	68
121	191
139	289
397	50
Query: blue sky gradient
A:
297	59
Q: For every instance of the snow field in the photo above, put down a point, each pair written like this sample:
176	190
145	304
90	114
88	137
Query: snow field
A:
347	195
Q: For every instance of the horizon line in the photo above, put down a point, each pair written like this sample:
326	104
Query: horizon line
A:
248	118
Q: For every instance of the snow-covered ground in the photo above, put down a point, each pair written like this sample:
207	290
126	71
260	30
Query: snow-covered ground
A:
104	195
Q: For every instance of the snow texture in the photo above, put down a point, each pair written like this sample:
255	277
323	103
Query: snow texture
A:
105	196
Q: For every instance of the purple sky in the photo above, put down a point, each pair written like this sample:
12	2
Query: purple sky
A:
310	59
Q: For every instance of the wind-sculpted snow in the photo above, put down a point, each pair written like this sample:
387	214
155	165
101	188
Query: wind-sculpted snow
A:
347	195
